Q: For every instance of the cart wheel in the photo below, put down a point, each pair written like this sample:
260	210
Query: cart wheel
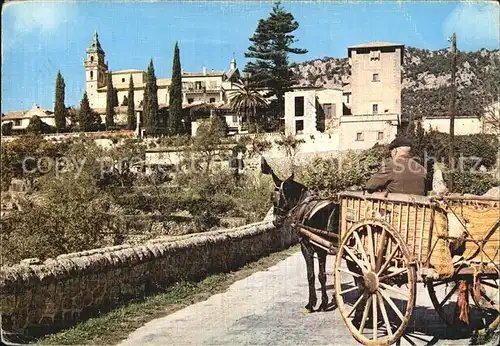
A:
482	315
375	292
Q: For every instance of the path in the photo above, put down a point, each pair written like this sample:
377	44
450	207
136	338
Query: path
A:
266	308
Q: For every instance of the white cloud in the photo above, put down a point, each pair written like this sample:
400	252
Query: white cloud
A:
39	17
477	25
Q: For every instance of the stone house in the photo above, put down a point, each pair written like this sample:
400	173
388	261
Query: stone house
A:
365	112
21	119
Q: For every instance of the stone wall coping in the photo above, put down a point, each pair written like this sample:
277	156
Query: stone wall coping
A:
17	277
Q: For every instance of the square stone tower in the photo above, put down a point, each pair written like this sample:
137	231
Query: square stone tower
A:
95	72
376	78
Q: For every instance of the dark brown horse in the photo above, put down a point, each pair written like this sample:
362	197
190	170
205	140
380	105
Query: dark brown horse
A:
295	204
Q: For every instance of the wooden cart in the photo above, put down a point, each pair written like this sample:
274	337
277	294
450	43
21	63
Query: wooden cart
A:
389	242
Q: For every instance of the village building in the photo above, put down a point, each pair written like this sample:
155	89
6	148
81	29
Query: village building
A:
21	119
365	112
203	87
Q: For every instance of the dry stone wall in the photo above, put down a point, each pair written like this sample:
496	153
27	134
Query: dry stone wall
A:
39	298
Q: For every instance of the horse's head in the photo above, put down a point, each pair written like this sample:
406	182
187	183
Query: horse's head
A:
287	194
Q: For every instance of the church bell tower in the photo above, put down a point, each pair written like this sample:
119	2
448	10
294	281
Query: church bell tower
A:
95	71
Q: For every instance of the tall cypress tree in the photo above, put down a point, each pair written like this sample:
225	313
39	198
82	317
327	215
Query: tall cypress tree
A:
131	118
271	46
150	104
59	108
175	103
110	100
88	119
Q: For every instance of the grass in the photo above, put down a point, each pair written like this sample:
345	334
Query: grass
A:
116	325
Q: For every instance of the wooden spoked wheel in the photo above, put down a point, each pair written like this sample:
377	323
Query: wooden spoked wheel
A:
376	289
483	306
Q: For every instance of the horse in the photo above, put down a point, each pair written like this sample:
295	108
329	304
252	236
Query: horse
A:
295	203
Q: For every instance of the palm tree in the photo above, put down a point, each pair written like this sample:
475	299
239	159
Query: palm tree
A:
245	100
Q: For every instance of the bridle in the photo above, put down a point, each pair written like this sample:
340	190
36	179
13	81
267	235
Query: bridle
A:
286	210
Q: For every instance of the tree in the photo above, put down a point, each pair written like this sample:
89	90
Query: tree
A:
291	146
175	106
246	100
207	142
115	97
88	119
150	108
35	125
125	101
490	100
28	157
59	108
271	46
131	118
7	129
110	100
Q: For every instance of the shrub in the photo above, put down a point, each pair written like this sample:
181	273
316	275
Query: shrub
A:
71	216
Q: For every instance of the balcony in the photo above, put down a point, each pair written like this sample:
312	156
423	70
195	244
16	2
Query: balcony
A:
210	89
394	118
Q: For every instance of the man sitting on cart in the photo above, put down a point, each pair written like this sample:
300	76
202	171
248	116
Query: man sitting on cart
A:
400	173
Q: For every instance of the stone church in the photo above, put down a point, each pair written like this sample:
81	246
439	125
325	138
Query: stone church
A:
197	87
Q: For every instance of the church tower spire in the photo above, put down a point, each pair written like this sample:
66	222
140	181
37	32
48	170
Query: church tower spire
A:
95	71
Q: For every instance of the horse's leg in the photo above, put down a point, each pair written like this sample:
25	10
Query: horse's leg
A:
322	278
308	254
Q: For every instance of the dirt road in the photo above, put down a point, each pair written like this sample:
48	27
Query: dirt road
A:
267	309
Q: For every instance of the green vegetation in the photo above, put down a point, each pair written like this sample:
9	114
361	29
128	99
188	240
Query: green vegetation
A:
37	126
131	117
175	126
270	48
87	196
59	108
246	100
88	119
110	100
352	168
150	102
114	326
7	129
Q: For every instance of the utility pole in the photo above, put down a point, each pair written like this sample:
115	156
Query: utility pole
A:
453	108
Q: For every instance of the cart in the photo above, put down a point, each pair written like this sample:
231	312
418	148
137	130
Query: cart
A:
386	243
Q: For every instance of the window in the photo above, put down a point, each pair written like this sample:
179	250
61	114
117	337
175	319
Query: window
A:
197	85
91	59
348	98
380	136
359	136
299	126
375	78
235	119
123	80
375	108
375	55
327	109
212	100
299	106
190	100
91	75
17	122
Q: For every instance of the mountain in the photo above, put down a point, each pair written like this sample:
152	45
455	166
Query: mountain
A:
426	79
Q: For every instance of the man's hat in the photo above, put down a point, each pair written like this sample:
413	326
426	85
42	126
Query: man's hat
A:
400	142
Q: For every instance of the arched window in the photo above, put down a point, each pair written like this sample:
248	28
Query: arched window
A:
91	59
91	75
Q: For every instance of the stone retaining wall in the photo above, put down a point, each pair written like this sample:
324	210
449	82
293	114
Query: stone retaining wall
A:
37	299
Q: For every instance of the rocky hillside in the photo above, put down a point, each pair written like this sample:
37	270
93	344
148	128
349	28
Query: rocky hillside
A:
426	79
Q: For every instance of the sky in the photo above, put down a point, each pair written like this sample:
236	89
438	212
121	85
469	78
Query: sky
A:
40	38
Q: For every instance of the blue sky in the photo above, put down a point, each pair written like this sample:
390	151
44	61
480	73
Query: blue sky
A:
40	38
